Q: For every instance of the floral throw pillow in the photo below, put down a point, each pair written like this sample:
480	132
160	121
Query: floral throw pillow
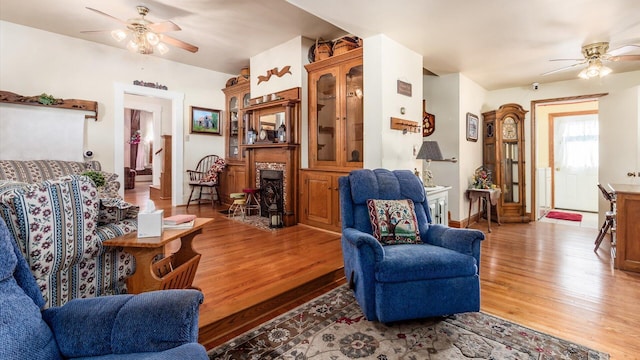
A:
394	221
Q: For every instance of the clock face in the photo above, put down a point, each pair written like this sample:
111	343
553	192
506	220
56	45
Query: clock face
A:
263	134
509	129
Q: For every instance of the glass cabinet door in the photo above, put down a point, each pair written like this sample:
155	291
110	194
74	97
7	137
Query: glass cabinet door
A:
326	117
234	143
354	114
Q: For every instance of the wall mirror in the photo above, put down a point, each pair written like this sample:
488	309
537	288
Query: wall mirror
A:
271	121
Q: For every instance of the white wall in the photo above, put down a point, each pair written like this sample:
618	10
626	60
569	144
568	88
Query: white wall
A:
286	54
472	98
386	62
33	61
292	53
450	98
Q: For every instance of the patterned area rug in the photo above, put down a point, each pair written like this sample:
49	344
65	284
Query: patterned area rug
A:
260	222
333	327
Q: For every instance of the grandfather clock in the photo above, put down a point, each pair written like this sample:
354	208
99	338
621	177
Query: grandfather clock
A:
503	155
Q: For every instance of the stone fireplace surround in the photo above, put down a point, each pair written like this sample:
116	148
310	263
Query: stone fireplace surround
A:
277	157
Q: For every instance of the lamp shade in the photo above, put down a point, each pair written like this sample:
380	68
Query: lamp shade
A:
430	151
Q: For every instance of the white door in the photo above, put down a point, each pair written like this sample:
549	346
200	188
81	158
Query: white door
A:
576	162
619	144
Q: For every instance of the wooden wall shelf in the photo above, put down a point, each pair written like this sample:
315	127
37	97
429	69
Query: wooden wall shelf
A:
73	104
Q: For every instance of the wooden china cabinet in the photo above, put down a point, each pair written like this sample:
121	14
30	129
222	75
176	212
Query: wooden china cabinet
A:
503	155
335	135
234	177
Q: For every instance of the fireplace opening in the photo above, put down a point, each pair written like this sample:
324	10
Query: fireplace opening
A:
271	190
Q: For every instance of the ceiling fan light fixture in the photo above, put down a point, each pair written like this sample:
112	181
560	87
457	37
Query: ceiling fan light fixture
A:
143	36
594	68
119	35
162	48
139	44
152	38
604	71
132	46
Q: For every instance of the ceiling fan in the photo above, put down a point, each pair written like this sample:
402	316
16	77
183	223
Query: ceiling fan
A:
145	35
594	56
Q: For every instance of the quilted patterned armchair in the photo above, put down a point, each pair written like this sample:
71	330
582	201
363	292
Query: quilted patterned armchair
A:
422	271
59	226
153	325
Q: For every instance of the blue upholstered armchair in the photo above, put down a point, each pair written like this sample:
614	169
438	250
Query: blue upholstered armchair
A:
436	277
153	325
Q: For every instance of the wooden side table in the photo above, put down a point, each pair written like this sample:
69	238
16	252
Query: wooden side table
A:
490	196
144	250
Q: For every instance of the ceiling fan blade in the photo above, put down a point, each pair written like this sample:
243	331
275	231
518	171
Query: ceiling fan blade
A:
562	69
94	31
164	26
623	50
567	59
109	16
178	43
624	58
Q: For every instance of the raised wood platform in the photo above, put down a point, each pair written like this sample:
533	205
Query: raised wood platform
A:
541	275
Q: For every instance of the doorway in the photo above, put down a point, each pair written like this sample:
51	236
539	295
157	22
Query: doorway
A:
176	129
553	189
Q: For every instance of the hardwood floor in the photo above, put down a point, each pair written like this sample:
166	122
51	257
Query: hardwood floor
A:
541	275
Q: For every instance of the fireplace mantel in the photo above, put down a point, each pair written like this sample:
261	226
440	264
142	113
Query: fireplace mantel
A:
283	155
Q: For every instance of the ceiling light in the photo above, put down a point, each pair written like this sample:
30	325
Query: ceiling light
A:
152	38
162	48
119	35
594	68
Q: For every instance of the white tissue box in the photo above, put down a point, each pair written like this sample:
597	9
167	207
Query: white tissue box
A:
150	224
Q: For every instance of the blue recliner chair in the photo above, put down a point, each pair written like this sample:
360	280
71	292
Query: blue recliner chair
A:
153	325
405	281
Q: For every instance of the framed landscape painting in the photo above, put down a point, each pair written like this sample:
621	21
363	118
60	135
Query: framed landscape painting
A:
205	121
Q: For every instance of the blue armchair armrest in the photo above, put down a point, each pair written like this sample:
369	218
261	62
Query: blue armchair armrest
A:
359	239
148	322
465	241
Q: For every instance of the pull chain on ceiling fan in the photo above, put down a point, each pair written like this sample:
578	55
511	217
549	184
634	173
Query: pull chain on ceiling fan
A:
594	55
145	36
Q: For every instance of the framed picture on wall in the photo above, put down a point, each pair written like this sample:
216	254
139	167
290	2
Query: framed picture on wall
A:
472	127
205	121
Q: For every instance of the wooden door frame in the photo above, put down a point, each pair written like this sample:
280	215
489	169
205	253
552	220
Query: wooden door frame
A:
177	121
533	162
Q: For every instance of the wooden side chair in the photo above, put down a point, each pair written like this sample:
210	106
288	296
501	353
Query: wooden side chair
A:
610	218
206	175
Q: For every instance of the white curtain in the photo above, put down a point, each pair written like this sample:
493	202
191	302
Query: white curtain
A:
579	142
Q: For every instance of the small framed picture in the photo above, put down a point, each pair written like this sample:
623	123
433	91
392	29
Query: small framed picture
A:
205	121
472	127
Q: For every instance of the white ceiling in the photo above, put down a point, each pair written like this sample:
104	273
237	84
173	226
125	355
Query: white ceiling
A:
496	43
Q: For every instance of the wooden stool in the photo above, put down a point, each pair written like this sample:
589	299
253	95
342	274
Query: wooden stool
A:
252	201
238	205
